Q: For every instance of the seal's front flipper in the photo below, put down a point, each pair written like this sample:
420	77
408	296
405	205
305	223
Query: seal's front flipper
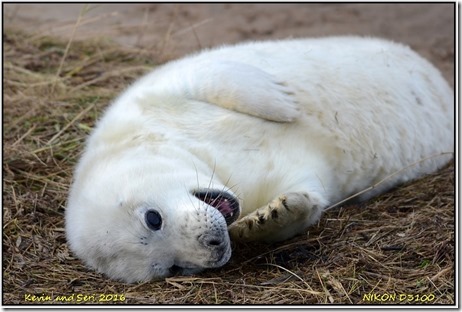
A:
284	217
232	85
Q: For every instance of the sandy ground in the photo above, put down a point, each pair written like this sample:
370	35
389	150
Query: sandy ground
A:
172	30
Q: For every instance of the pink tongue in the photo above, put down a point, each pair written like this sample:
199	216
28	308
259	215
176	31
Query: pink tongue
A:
222	204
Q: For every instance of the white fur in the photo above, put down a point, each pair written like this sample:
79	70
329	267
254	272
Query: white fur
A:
322	117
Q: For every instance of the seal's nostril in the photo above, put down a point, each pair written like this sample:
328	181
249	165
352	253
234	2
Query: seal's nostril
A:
211	241
214	242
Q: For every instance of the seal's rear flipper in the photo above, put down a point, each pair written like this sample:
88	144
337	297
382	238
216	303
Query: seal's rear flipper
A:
232	85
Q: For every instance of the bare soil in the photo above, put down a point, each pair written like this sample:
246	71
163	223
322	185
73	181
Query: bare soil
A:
171	31
63	63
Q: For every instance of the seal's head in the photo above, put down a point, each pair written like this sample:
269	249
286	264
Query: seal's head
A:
139	219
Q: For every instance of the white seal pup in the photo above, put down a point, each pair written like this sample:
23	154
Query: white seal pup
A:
251	142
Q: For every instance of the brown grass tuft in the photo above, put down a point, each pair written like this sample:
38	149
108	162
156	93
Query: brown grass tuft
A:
401	243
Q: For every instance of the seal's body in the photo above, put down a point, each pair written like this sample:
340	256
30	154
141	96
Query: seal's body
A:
255	139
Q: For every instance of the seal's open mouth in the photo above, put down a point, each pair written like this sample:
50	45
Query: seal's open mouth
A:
224	202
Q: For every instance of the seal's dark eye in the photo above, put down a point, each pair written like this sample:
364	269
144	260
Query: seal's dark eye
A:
153	220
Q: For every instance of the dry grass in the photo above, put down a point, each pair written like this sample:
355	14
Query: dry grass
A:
400	243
